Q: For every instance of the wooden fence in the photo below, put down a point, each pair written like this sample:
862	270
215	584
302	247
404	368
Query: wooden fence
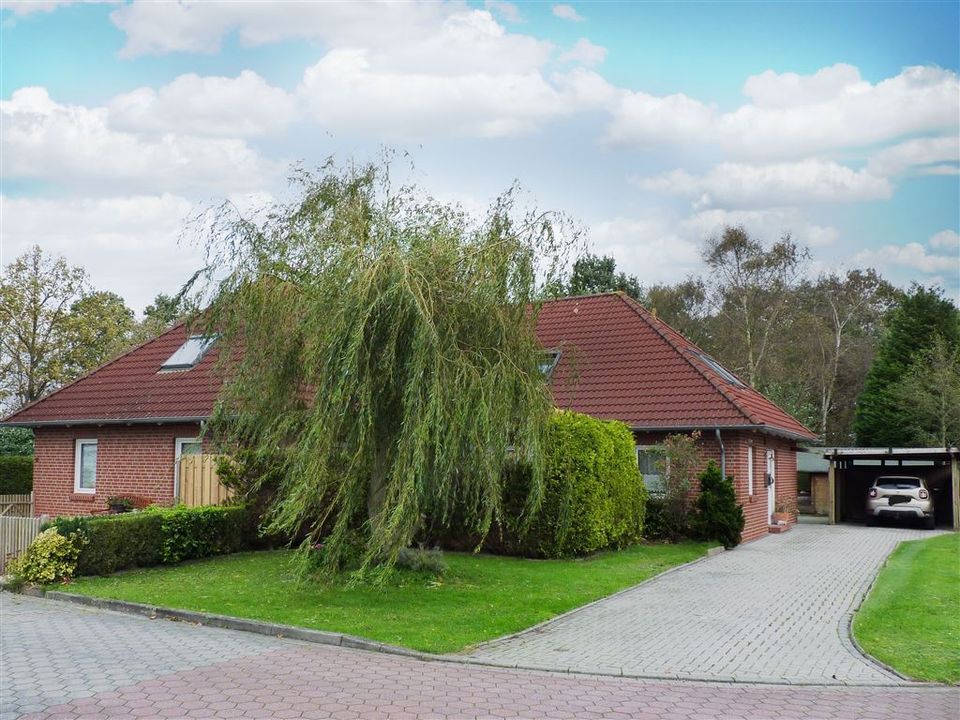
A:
198	481
16	505
16	533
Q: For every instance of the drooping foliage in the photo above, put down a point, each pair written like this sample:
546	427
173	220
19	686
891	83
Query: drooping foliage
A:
883	418
389	357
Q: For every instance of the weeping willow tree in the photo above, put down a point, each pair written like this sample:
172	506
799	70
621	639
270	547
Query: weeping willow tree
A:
382	344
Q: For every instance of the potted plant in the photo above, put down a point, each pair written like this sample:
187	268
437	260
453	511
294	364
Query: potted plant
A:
120	504
782	514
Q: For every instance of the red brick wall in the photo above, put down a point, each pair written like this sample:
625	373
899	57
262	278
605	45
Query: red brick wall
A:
131	460
735	446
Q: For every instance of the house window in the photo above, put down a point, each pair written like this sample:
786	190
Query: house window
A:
548	362
749	469
85	467
183	446
650	462
190	353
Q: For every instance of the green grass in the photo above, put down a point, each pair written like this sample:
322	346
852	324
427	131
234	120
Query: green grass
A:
911	619
480	597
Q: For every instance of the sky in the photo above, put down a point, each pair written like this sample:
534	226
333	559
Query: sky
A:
653	125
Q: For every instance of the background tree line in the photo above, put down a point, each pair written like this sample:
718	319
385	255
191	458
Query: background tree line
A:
848	354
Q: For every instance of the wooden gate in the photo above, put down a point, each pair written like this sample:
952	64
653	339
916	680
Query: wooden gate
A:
198	482
16	505
16	533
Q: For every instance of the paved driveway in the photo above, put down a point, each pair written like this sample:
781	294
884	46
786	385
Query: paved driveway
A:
65	661
774	610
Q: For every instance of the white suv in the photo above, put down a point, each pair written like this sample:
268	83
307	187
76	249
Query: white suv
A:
898	497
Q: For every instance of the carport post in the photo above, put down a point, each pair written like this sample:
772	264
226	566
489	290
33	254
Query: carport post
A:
955	485
832	489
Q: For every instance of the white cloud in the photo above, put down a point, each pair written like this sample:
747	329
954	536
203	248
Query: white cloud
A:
769	224
911	255
75	146
507	10
585	52
932	155
243	106
737	185
21	8
127	244
567	12
647	246
946	240
832	109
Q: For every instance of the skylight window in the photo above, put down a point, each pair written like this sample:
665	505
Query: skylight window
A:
190	353
720	370
548	362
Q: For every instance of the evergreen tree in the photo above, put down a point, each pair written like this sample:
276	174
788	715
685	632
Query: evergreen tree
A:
883	418
718	517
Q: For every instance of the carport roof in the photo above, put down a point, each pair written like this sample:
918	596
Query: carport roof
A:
879	452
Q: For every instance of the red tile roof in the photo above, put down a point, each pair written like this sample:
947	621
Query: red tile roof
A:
617	361
130	387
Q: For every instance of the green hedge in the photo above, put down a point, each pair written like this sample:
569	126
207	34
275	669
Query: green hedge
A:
157	536
594	497
16	474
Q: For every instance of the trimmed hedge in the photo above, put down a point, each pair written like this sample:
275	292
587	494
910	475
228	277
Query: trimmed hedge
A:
594	497
157	536
16	474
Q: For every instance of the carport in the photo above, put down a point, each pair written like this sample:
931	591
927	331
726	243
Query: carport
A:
852	470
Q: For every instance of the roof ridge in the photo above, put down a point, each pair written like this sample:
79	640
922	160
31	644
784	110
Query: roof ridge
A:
645	315
95	370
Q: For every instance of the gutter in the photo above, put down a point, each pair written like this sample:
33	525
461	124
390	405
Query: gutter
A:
723	454
106	421
769	429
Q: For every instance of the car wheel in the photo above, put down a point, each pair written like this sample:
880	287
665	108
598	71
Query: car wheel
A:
870	521
930	523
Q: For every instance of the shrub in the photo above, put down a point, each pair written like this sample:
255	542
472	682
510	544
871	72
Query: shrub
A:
16	474
661	524
50	557
422	560
718	516
155	536
594	497
16	441
198	532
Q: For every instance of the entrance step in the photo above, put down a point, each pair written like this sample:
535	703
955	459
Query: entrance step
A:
777	529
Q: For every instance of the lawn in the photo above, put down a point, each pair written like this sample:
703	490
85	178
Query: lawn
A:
480	597
911	619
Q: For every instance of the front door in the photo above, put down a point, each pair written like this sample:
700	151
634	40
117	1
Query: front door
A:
771	476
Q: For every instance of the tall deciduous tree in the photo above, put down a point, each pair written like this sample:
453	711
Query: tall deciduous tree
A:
164	311
749	287
389	353
36	295
924	315
99	327
930	395
596	274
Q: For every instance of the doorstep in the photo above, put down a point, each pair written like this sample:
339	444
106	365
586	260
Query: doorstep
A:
777	529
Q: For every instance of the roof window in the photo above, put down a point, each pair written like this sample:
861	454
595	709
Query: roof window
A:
548	362
720	369
190	353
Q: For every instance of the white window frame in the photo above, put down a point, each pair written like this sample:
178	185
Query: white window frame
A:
178	444
749	469
77	465
644	448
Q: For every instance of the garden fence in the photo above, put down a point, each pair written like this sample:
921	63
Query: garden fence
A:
16	533
198	482
16	505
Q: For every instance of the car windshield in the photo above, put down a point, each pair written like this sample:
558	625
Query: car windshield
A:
898	483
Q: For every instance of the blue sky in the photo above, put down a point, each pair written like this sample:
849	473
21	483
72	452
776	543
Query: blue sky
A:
654	124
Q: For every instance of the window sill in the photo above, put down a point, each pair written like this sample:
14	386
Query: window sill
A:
83	496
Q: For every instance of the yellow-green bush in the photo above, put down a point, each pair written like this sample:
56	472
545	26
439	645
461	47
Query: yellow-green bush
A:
50	557
594	497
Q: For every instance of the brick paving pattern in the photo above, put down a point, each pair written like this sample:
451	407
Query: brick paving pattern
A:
774	610
160	669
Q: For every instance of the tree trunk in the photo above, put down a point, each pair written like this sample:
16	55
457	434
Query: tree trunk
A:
377	489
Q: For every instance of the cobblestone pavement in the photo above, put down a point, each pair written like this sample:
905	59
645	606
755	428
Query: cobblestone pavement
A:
774	610
66	661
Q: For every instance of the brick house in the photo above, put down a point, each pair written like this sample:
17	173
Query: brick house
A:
121	428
